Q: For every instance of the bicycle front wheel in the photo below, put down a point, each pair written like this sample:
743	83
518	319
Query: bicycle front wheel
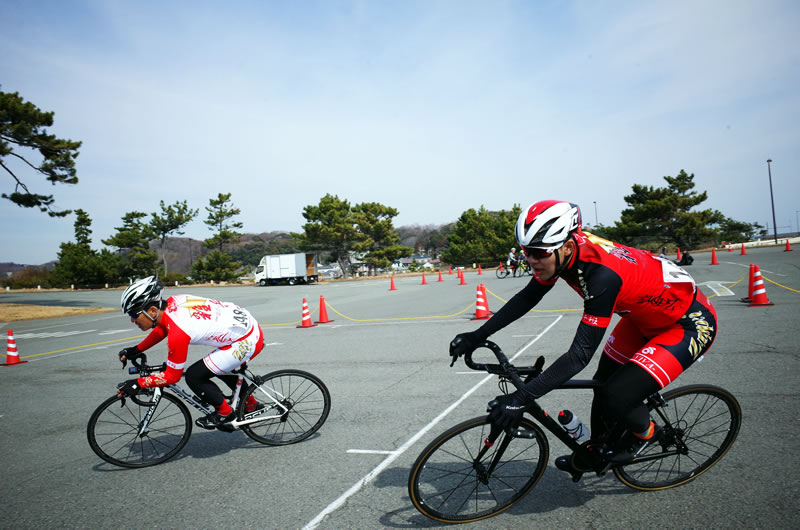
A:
704	421
113	430
451	483
502	272
295	404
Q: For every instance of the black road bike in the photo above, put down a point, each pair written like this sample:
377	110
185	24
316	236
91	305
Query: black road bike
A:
152	426
474	470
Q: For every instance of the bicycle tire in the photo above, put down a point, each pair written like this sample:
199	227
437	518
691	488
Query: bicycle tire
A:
706	418
306	397
502	273
113	431
444	482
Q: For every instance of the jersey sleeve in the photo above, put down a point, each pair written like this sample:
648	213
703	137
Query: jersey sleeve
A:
598	307
152	338
178	344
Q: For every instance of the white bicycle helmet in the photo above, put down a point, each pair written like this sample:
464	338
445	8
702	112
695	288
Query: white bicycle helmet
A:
140	294
548	224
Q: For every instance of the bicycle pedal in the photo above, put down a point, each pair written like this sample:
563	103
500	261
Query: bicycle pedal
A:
226	428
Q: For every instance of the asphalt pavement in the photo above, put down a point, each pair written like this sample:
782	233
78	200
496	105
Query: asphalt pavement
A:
384	358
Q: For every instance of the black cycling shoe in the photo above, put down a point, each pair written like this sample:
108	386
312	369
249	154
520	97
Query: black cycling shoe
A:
215	420
635	446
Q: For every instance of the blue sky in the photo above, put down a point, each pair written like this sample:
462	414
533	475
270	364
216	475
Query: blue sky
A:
431	107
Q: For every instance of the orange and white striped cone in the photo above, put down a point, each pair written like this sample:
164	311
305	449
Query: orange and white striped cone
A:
481	304
730	246
759	291
306	320
323	312
12	356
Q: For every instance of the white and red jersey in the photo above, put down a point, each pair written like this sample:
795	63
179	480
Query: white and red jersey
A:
194	320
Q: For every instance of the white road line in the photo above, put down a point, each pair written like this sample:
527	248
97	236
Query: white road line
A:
402	449
370	452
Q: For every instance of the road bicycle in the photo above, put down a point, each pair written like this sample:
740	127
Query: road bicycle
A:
522	269
154	425
474	470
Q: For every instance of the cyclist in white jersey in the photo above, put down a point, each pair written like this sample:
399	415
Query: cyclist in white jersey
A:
185	319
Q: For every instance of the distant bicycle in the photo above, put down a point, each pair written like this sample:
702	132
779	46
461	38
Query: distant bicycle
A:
154	425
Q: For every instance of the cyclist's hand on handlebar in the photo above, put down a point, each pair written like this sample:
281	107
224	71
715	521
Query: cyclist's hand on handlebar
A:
506	410
129	354
128	388
464	343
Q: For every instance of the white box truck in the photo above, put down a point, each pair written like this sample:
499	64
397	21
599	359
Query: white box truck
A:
287	268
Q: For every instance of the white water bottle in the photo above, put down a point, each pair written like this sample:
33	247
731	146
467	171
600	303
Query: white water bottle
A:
573	426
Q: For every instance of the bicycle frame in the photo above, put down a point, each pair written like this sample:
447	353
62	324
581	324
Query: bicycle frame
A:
191	399
506	370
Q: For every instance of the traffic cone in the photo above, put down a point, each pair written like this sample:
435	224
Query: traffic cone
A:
423	280
392	288
481	304
440	276
450	270
730	246
481	272
788	248
461	275
759	292
323	311
750	280
12	357
678	253
714	256
306	320
744	252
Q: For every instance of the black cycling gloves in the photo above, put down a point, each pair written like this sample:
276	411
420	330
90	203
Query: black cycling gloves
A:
130	354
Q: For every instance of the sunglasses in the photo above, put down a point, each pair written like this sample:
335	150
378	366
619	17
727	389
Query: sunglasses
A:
135	315
539	253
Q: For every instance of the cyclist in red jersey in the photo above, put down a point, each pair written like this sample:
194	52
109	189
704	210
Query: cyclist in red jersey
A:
183	320
666	324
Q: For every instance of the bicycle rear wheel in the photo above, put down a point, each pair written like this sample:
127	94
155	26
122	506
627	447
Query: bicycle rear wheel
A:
450	484
113	430
704	421
502	272
305	397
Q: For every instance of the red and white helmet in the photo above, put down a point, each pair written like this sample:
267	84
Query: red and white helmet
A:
548	224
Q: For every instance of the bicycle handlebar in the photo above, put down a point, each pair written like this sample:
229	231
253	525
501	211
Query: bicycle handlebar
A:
141	367
504	368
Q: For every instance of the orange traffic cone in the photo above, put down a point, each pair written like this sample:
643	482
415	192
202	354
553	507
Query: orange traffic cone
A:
744	252
461	275
440	276
714	256
678	253
730	246
759	292
450	270
481	272
788	248
306	320
323	311
750	280
392	288
12	357
481	304
423	279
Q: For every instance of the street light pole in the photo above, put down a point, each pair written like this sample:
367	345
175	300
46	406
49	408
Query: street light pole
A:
595	212
774	224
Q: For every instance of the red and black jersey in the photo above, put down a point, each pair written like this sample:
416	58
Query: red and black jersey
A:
648	291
